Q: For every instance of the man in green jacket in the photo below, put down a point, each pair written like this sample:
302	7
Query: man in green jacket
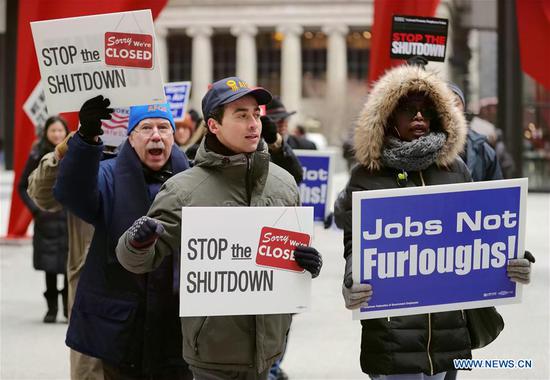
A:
232	168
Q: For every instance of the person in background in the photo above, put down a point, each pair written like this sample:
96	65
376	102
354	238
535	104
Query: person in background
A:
478	155
49	241
184	130
80	233
278	113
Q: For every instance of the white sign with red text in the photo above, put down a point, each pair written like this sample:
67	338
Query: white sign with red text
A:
240	260
114	55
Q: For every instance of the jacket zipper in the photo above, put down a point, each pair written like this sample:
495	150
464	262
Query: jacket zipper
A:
429	341
198	334
248	190
429	314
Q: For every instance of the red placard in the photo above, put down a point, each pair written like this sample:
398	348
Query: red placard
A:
276	248
129	50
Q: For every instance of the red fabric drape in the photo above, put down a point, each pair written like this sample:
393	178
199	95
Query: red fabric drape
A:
28	75
533	18
381	30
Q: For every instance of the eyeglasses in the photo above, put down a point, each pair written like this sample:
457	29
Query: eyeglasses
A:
148	130
410	112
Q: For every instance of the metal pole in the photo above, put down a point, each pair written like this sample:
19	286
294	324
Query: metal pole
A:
510	79
8	81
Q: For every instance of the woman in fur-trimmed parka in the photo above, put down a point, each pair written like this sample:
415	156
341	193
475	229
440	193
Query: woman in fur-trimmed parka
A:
409	134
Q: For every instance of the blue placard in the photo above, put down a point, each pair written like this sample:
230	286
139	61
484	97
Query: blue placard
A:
177	95
316	185
429	250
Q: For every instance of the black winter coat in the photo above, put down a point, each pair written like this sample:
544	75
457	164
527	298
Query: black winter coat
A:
425	343
50	239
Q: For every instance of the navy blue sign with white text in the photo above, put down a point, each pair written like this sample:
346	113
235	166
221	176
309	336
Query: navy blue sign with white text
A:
439	250
316	185
177	95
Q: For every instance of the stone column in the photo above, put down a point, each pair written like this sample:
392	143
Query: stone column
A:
201	63
162	51
337	79
246	52
291	67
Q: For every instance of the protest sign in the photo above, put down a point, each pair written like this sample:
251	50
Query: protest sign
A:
113	55
239	260
177	95
35	106
438	248
316	187
419	36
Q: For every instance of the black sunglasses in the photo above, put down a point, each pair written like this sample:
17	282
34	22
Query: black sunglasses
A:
428	113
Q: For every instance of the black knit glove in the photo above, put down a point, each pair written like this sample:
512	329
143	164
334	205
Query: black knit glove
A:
90	115
144	232
269	129
309	258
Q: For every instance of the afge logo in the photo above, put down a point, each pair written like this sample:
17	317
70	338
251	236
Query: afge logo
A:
235	86
276	248
156	107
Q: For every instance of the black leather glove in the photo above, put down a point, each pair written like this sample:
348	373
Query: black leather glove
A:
90	115
327	222
144	232
309	258
269	129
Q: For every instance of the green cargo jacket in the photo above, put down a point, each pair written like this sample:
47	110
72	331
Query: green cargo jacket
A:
241	342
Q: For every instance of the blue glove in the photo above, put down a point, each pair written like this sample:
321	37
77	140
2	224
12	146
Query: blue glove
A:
144	232
309	258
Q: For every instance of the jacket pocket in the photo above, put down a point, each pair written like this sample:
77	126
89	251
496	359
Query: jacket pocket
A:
276	327
219	339
106	328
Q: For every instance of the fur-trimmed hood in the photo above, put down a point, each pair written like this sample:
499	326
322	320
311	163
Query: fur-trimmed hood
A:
384	97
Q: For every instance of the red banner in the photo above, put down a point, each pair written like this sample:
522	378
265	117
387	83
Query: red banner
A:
533	31
28	75
381	30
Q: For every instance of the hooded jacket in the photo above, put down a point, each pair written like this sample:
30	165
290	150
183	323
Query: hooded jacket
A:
239	342
425	343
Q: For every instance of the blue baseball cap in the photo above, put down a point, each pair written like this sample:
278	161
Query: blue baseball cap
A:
138	113
228	90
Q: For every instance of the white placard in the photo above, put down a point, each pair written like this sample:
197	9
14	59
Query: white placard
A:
35	106
113	55
232	260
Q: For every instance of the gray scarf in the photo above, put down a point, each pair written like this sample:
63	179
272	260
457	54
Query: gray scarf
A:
412	155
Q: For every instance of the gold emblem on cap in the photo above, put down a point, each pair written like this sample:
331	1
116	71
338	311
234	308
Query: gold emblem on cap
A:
234	86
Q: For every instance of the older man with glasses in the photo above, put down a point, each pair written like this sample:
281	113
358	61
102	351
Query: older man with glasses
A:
129	321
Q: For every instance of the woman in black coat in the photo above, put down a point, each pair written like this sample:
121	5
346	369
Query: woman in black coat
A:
50	240
409	134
